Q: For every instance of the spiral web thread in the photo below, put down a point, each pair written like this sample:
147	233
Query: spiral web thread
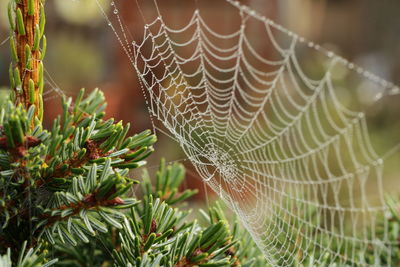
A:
277	146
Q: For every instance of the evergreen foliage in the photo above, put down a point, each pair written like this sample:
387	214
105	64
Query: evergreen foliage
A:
67	182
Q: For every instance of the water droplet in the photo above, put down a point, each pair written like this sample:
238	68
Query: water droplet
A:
115	11
395	90
378	96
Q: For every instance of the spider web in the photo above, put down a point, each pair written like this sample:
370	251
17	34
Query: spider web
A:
276	143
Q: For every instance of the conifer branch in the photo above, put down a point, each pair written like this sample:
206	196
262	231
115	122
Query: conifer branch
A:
27	22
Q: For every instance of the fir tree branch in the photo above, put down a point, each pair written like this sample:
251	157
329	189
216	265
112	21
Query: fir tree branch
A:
26	71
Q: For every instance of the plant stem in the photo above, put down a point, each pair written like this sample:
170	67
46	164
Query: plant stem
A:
26	70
